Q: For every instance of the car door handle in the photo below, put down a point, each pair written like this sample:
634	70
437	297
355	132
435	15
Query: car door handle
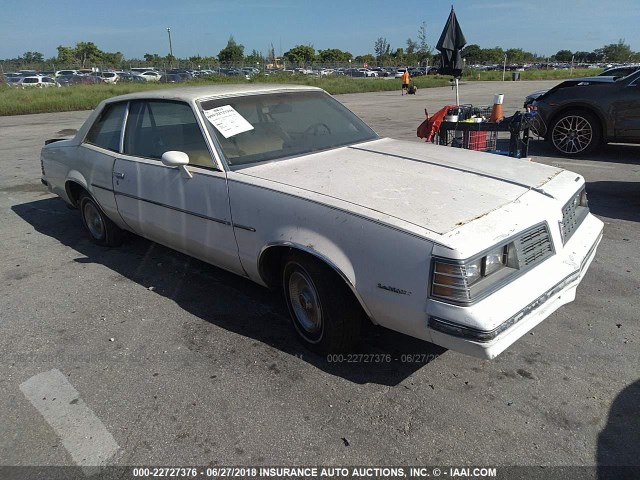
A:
118	175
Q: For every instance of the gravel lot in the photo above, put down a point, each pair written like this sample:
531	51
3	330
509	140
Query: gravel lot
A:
184	364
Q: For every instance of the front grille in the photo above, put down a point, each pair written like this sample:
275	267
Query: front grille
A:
534	245
572	216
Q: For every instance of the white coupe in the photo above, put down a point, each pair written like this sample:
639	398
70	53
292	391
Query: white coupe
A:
287	187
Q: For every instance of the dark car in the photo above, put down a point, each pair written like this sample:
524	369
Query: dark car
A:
582	113
171	78
621	71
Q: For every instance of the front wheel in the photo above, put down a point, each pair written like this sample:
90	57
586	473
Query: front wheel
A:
323	310
101	229
575	133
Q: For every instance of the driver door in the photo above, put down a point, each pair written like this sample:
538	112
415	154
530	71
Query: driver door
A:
188	212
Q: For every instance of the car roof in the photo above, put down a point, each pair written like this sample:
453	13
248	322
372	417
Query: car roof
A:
210	91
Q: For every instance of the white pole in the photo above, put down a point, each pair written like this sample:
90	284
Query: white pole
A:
504	66
457	94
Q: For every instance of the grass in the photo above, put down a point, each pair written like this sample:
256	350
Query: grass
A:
15	101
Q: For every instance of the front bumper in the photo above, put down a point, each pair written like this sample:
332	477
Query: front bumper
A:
489	327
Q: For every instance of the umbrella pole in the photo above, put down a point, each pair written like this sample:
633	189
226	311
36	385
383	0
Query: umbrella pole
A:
457	95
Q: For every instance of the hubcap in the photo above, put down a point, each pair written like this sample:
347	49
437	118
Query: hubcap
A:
572	134
94	220
305	302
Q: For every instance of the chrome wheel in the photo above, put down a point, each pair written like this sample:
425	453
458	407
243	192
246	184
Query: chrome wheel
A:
93	220
573	134
305	303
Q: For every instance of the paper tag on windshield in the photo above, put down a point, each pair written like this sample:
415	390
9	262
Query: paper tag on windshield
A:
227	120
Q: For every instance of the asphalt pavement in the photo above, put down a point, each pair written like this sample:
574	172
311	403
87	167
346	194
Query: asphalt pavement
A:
171	361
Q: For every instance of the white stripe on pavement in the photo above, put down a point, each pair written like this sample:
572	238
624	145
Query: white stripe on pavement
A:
82	433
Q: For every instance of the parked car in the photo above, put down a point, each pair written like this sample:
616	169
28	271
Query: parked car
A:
580	114
400	72
171	78
66	72
285	186
110	77
37	82
150	76
130	78
616	72
621	71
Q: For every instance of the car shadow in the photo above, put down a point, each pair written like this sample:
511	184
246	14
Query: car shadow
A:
618	455
607	198
617	152
240	306
619	200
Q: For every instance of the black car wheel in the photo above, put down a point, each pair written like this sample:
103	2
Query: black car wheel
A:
324	312
101	229
575	132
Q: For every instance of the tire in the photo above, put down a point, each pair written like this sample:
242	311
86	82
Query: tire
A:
101	230
323	310
575	133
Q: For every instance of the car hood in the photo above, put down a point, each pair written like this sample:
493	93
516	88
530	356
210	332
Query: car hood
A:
434	187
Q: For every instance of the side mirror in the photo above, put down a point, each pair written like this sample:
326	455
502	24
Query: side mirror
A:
173	158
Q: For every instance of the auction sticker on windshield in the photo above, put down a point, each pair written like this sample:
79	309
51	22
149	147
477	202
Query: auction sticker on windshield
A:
227	120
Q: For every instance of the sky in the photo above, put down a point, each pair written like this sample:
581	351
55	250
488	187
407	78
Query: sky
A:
203	27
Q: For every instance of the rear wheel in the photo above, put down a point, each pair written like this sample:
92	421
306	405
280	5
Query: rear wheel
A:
323	310
575	133
101	229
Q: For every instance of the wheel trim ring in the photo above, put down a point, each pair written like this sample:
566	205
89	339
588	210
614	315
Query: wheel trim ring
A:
572	134
305	306
93	220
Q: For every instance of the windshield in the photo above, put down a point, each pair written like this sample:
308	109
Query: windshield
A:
270	126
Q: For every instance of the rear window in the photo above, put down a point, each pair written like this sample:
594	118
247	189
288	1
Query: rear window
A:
105	132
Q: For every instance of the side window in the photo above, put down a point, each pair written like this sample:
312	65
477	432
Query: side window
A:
156	126
105	132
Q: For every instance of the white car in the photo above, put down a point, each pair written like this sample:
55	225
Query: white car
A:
37	81
67	72
367	73
150	75
285	186
110	77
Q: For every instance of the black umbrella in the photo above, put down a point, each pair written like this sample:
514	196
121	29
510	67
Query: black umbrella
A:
451	42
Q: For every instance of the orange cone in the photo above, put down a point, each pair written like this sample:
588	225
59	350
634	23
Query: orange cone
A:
497	113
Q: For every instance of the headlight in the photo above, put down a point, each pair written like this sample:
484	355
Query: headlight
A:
464	282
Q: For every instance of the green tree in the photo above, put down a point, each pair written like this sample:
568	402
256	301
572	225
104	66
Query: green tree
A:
616	52
563	56
425	52
333	55
368	59
66	55
412	46
32	57
381	48
232	53
473	53
301	54
87	53
255	58
517	55
113	59
493	55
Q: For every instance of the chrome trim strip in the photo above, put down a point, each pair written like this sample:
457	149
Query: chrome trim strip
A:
102	188
242	227
199	215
